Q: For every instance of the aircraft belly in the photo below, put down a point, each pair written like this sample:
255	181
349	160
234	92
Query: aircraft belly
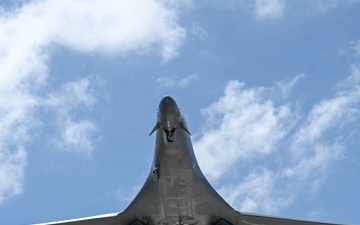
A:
176	194
176	190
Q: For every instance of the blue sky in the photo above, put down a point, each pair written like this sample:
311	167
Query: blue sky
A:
271	91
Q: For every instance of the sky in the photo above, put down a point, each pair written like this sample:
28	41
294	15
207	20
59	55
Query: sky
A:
270	89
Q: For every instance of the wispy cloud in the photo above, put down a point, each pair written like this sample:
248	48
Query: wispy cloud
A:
286	86
259	9
350	50
173	82
269	8
28	34
274	148
73	94
199	32
127	195
77	136
357	48
277	9
12	170
74	131
326	5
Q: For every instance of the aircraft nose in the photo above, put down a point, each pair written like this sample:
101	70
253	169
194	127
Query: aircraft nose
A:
167	101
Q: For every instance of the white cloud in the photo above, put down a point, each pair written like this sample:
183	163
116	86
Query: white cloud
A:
173	82
269	8
114	27
74	94
12	169
75	133
17	120
245	124
187	80
258	192
287	86
326	5
356	47
199	32
77	136
127	196
350	50
29	32
260	9
274	150
273	9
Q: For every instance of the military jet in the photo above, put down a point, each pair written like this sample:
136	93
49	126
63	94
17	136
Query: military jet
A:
176	192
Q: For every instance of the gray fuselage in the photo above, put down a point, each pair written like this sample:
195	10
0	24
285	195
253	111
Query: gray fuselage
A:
176	191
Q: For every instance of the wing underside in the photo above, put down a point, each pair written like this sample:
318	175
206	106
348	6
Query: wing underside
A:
106	219
258	219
